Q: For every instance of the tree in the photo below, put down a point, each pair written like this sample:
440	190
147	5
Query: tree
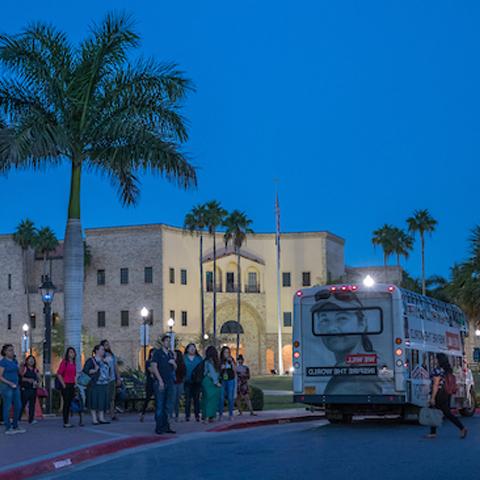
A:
214	217
91	107
26	236
384	238
422	222
195	222
45	243
402	243
237	227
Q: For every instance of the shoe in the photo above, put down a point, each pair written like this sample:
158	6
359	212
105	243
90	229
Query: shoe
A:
10	432
187	419
197	419
68	425
169	430
33	422
81	424
104	423
114	418
19	430
464	433
160	432
95	423
142	418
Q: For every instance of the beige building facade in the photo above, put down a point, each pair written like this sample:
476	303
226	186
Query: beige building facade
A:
158	267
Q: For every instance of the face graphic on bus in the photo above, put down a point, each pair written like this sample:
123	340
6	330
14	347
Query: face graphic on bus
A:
341	330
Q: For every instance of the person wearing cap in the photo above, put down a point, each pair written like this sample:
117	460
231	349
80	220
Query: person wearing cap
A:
163	367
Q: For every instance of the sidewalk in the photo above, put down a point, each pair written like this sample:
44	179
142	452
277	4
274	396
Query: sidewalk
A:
47	446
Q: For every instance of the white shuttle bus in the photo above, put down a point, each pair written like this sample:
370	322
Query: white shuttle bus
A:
360	350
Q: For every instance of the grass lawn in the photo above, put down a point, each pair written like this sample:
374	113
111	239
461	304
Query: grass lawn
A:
272	382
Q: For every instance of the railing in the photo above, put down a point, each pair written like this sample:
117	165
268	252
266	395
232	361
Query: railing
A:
252	288
232	287
210	287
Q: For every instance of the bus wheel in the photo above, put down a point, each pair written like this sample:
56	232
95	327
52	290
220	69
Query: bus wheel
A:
469	411
340	419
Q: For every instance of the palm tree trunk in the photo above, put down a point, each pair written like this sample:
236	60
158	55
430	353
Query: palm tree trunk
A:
239	292
26	279
422	238
214	286
73	267
202	299
45	263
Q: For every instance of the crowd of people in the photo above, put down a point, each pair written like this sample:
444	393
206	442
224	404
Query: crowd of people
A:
206	384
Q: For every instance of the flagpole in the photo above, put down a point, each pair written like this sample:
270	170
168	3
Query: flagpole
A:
279	303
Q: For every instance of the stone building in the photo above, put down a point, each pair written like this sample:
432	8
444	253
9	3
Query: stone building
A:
157	266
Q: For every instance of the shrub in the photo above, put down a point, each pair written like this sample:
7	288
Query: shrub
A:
256	396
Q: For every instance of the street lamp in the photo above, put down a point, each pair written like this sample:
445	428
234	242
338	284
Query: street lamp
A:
368	281
47	291
205	337
25	342
171	323
144	313
477	332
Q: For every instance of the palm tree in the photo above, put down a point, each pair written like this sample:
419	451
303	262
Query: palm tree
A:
214	217
237	226
195	222
25	236
90	106
384	238
46	242
422	222
402	243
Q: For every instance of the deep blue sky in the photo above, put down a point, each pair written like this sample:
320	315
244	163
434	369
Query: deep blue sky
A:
363	110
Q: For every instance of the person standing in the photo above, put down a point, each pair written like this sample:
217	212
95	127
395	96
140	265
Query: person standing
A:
442	384
30	382
227	376
97	390
9	389
115	380
178	387
243	390
66	375
163	368
192	387
211	385
148	385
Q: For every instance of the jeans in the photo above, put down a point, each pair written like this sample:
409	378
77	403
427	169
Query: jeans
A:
228	390
10	396
67	393
177	395
192	392
163	402
442	402
29	395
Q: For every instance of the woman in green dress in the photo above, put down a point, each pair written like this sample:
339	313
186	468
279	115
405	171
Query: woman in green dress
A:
211	385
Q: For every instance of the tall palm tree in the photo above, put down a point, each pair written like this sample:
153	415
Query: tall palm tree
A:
402	243
90	106
384	238
214	217
237	227
195	222
45	243
25	236
422	222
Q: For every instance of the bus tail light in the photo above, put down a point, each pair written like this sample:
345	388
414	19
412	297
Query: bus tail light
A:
398	352
398	341
296	365
296	355
354	288
299	293
296	343
391	288
399	363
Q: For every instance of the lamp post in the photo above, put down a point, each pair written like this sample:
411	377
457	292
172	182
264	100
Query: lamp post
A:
25	339
47	291
171	323
144	337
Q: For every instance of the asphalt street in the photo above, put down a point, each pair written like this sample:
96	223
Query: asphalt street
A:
365	450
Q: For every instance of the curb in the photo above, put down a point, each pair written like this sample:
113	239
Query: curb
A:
266	422
55	464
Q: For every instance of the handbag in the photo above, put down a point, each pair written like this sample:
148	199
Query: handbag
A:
58	384
84	379
42	392
430	417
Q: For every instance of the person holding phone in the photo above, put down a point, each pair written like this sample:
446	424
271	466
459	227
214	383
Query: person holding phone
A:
29	384
66	375
9	389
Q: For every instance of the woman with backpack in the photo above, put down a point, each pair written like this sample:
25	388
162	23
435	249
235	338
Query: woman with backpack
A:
443	387
193	381
211	385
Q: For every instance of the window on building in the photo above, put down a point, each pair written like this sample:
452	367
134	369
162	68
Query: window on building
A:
209	281
150	317
124	318
148	274
33	320
100	277
101	319
172	275
172	314
184	319
287	319
183	276
9	281
286	279
306	282
253	286
9	321
124	276
230	282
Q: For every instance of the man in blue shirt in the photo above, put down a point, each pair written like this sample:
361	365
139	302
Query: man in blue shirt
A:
163	368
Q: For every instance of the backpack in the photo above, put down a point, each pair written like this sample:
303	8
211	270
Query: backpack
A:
198	373
450	384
